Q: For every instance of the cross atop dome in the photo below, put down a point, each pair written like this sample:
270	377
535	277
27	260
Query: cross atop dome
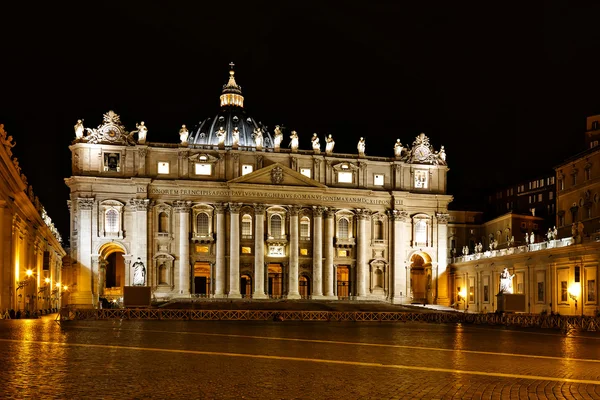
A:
232	92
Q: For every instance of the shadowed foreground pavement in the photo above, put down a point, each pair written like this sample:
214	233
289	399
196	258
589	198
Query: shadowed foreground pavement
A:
123	359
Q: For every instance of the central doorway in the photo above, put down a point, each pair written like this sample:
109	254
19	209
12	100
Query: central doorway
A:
201	279
275	284
343	282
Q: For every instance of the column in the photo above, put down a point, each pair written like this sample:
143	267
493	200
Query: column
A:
219	280
329	251
183	208
293	292
234	251
441	278
81	297
400	291
259	252
361	254
141	232
4	272
317	283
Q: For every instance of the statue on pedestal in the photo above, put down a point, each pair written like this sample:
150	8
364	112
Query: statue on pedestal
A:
235	136
258	138
506	282
278	137
329	143
361	147
294	141
79	129
221	137
142	130
139	273
183	134
398	148
316	146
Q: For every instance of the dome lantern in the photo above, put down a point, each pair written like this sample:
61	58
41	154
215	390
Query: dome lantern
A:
232	92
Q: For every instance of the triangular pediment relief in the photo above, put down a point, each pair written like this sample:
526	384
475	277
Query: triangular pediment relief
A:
277	174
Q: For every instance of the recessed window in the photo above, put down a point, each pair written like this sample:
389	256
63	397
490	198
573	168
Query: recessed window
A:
112	221
203	169
345	177
343	225
247	226
163	167
306	172
202	224
378	180
112	162
305	228
246	250
247	168
276	226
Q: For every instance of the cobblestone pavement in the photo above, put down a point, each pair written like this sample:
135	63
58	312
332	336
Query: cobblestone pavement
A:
292	360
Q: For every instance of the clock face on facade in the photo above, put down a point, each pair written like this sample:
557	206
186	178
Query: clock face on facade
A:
421	152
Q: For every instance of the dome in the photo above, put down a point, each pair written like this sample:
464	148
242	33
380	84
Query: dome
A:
231	116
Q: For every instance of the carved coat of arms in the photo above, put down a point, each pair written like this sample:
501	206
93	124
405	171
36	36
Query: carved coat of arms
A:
277	175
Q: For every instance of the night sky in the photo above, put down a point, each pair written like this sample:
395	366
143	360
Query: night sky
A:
504	86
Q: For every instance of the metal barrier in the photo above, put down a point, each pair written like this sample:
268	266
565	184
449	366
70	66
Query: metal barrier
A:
561	322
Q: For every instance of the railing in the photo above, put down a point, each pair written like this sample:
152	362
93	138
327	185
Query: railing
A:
561	322
515	250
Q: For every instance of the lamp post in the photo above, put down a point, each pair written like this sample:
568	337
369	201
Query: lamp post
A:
462	295
574	293
29	277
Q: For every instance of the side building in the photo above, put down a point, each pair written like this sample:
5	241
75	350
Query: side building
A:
31	253
231	211
556	272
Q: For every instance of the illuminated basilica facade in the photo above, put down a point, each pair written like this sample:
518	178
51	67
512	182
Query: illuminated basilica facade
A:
230	210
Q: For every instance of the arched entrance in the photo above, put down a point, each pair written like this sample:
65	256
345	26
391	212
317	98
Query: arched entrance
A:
246	286
420	278
112	276
275	289
201	279
304	286
343	282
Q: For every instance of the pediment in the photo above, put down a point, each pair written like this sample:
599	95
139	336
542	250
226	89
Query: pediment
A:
277	174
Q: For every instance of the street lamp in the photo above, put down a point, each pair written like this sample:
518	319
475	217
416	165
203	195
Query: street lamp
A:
574	292
462	295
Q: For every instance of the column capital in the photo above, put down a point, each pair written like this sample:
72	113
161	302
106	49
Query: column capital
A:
398	215
363	213
142	152
295	209
318	211
329	213
442	218
259	209
85	203
219	207
234	208
139	204
182	206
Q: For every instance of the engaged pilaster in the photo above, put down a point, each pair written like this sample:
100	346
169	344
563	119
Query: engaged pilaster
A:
317	286
234	250
183	208
82	296
293	292
329	234
399	279
441	277
361	257
259	252
220	259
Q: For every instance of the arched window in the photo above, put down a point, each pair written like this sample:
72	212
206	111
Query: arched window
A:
247	226
343	228
163	222
202	224
378	230
305	227
112	221
276	225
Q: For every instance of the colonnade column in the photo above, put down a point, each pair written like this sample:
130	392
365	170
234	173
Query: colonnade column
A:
82	295
361	256
259	252
219	278
441	278
293	292
234	251
399	278
317	284
183	207
329	251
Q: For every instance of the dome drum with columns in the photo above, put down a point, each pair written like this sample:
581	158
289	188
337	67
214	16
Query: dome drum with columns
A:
210	219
